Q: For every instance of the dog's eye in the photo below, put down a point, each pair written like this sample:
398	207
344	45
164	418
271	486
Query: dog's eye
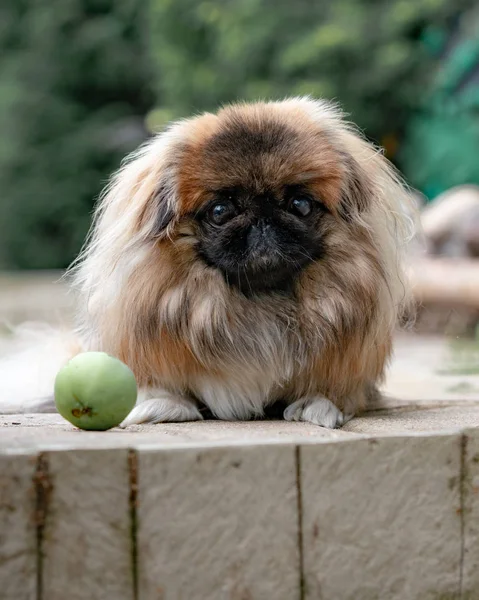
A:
301	206
222	212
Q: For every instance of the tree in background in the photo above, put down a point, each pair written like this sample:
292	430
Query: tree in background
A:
369	55
74	88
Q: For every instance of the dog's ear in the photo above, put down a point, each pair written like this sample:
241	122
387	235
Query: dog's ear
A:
139	203
162	209
358	188
371	179
140	200
155	192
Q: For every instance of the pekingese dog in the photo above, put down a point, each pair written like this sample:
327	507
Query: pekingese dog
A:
248	257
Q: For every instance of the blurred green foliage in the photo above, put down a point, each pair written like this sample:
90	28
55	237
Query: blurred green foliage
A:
368	54
75	84
441	144
81	82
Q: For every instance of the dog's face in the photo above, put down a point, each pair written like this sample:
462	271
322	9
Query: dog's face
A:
261	189
259	240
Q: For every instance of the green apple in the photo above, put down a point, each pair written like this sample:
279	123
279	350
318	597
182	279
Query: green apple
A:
95	391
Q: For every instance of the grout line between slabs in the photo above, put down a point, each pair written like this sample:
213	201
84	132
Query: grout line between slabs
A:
299	496
43	487
133	504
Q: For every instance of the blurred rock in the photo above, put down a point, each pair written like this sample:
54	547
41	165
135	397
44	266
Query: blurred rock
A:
450	223
445	279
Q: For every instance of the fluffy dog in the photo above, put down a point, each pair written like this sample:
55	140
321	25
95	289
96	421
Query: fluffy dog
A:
247	257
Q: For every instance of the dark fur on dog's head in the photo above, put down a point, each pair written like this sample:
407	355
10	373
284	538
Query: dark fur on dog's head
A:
266	237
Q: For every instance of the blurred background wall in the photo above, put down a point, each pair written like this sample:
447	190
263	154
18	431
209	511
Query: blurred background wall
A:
83	82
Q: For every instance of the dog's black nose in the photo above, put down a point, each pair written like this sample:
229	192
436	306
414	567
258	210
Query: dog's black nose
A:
259	233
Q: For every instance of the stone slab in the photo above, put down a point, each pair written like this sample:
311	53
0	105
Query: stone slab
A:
218	523
87	543
18	557
381	519
470	572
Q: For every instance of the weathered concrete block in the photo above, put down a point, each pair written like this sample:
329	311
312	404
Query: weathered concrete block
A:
381	519
218	523
87	543
17	527
470	574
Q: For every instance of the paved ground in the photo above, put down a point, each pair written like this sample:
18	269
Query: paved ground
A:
39	295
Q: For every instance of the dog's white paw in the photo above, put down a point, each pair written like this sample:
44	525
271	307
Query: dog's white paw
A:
317	410
165	409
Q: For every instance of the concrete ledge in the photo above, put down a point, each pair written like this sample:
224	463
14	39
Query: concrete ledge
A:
470	515
382	518
86	539
239	511
18	527
218	523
